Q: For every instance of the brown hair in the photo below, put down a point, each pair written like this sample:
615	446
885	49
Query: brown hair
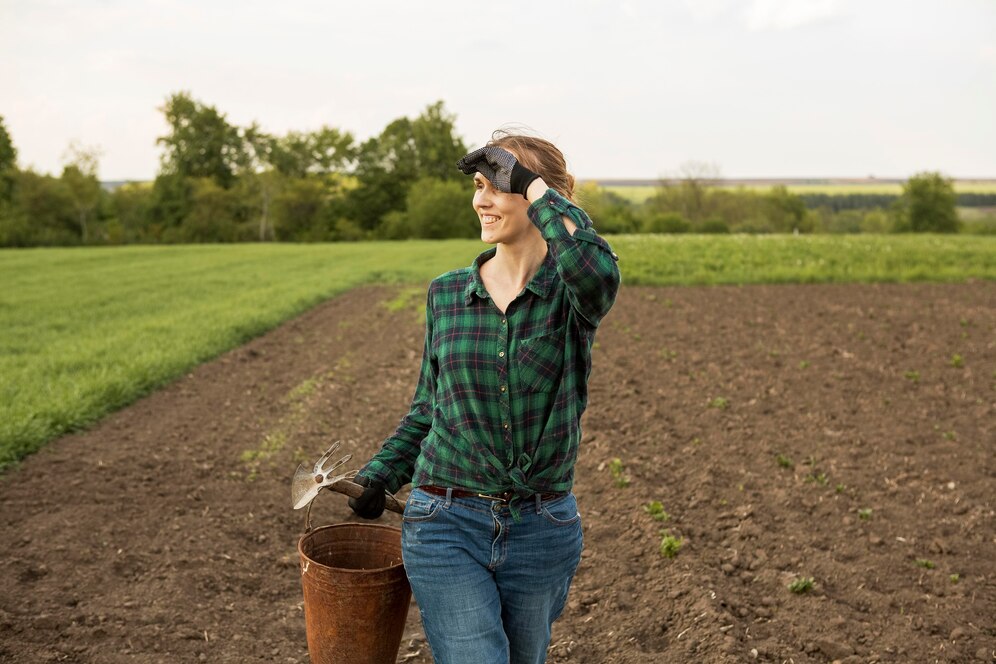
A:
540	156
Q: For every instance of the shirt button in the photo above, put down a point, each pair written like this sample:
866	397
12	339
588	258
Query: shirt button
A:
502	388
505	425
504	321
501	353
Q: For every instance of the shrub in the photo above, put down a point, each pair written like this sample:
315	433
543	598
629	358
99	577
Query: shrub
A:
714	226
435	209
669	222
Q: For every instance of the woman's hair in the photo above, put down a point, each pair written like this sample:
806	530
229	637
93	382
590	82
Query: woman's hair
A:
540	156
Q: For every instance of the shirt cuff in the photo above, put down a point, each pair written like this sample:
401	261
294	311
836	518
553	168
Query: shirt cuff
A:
550	207
376	470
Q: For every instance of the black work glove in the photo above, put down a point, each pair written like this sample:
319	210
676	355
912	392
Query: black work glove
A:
371	504
500	168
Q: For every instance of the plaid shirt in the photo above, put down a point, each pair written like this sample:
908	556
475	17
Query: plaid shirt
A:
500	396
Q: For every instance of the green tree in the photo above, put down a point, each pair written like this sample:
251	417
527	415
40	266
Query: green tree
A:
326	151
215	215
609	212
274	165
80	178
201	142
41	214
927	205
171	202
437	147
8	164
435	209
386	166
785	210
298	211
693	196
130	208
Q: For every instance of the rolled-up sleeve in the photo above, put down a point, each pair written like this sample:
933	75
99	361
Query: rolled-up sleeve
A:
585	261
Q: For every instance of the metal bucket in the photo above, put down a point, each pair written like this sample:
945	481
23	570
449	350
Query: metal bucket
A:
356	594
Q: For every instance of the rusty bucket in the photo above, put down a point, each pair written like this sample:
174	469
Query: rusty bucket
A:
356	594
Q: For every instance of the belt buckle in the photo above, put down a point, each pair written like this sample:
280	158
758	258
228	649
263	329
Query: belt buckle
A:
501	499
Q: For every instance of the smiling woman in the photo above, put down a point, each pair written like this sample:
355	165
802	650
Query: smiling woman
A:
492	534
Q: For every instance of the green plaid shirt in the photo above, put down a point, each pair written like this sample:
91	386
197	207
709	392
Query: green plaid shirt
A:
500	396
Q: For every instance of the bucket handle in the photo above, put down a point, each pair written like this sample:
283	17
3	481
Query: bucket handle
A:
354	490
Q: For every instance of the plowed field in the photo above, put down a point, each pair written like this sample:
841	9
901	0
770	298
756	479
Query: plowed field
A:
843	433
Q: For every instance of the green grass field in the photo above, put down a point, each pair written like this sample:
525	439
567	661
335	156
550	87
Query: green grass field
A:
86	331
638	194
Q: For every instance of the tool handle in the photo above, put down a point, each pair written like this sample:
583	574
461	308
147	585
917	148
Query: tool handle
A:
354	490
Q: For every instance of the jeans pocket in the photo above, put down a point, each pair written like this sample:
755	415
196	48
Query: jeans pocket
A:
562	511
421	507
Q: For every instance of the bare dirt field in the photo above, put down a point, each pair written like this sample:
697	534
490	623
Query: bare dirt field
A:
789	432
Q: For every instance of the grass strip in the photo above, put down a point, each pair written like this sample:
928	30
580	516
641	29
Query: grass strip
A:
86	331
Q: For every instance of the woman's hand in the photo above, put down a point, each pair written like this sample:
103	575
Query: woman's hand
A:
371	504
500	167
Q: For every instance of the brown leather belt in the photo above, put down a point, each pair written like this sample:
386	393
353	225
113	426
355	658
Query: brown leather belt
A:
503	497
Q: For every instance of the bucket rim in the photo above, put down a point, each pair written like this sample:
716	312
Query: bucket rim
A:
347	570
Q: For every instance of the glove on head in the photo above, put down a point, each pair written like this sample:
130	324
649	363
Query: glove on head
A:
500	167
371	504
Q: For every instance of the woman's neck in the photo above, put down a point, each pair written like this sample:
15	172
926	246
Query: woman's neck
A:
516	264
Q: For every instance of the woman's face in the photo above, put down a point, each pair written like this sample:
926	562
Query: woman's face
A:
503	216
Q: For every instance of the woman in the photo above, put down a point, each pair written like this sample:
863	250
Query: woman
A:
491	535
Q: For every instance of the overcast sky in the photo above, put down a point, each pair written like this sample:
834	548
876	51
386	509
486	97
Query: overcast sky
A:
790	88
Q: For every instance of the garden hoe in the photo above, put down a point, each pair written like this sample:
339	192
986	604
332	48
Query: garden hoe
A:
308	482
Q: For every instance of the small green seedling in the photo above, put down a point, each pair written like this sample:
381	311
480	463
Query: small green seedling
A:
924	563
656	510
618	473
720	402
818	478
865	513
956	361
784	461
668	354
801	585
670	545
804	364
955	578
949	435
913	376
840	488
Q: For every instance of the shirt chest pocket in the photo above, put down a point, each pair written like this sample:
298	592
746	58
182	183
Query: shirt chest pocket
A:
540	361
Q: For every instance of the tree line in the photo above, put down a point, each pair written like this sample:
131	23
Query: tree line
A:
694	204
219	182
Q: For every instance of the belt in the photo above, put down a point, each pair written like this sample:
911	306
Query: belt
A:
503	497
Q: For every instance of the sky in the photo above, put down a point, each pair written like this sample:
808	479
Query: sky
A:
626	88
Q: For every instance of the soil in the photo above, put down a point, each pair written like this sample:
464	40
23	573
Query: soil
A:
165	533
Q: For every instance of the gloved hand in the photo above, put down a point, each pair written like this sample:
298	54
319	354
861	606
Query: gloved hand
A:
371	504
500	167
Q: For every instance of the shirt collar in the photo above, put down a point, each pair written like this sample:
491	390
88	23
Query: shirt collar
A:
540	284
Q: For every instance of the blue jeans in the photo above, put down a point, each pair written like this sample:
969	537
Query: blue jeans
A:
488	588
